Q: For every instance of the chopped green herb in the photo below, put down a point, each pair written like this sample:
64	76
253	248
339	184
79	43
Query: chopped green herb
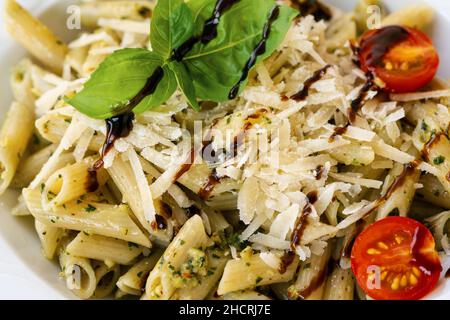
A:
439	160
90	208
424	126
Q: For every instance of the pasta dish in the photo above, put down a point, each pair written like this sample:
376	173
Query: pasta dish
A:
233	149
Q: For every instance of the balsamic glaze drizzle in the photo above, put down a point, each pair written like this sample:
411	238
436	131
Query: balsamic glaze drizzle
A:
92	184
286	261
213	179
209	30
312	7
381	42
120	126
302	222
318	172
303	94
362	96
377	45
338	131
258	50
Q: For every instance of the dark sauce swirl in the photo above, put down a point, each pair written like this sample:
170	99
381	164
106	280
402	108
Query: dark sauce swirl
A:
257	51
312	7
92	184
286	261
302	222
210	27
377	45
213	179
304	92
209	30
338	131
319	171
120	126
359	102
381	42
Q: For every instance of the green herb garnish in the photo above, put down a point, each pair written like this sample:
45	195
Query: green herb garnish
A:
90	208
198	46
439	160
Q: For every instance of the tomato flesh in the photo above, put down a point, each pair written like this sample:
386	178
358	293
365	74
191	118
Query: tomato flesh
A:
403	58
395	259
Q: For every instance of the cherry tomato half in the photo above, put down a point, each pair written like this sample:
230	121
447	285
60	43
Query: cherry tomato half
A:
403	58
395	259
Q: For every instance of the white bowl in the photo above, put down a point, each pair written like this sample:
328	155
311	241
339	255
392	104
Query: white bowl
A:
24	272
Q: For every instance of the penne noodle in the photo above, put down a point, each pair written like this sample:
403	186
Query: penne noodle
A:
106	278
79	275
103	248
433	192
245	295
400	198
34	36
133	281
246	274
21	208
340	285
133	10
311	279
50	238
21	84
417	16
71	182
186	247
30	166
14	136
97	218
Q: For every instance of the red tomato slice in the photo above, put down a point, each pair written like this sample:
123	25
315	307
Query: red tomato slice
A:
395	259
403	58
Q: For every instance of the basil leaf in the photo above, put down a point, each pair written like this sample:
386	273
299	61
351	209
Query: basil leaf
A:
118	79
185	83
166	87
172	24
218	66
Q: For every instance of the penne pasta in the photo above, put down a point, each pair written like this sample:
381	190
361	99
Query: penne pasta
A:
14	136
340	285
30	166
97	218
311	278
103	248
34	36
187	247
133	281
79	275
433	192
106	278
133	10
400	198
50	238
417	16
71	182
246	274
245	295
21	84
